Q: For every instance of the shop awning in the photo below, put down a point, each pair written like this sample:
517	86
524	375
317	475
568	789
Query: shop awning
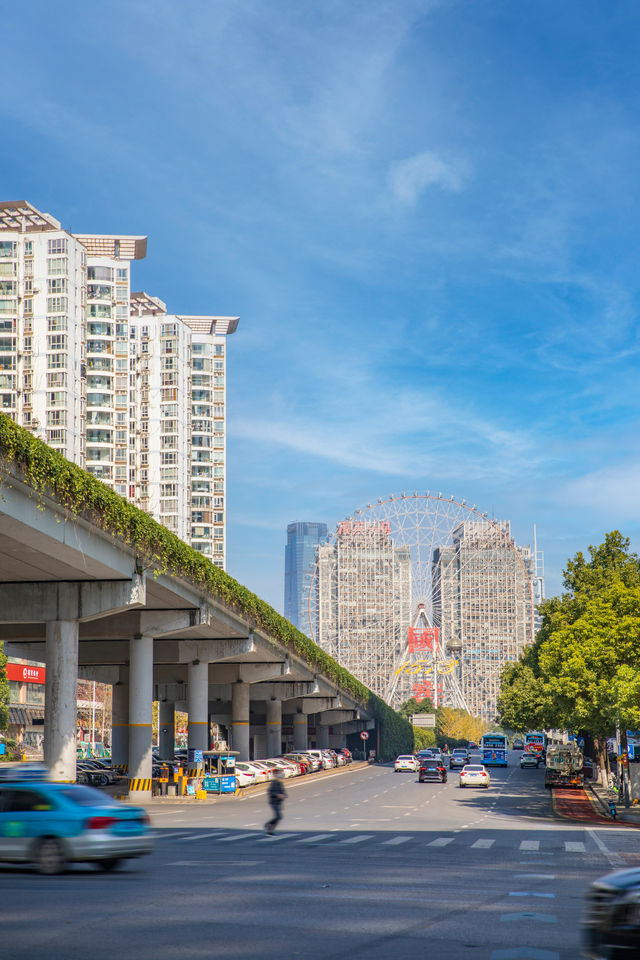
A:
24	716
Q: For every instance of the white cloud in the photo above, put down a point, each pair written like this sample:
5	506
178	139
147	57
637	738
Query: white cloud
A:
613	491
410	178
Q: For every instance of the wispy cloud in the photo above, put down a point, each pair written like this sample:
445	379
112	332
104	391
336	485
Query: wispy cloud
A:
410	178
610	492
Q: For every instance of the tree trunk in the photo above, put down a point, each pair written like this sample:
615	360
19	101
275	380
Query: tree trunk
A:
601	758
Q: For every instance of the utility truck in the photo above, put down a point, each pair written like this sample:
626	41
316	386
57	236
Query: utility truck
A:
564	766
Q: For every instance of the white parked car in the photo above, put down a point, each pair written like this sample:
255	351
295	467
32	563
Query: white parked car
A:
406	764
474	775
263	771
245	775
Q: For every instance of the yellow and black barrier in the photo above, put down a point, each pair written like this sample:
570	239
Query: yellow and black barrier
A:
140	784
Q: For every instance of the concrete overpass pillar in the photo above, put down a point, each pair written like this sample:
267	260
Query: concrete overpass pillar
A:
120	720
274	728
61	697
140	716
322	735
198	704
240	700
300	731
167	734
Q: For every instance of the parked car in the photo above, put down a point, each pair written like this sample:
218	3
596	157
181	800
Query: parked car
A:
474	775
303	763
333	760
589	769
245	776
406	763
326	761
345	753
52	824
261	774
264	767
611	926
432	770
315	762
459	758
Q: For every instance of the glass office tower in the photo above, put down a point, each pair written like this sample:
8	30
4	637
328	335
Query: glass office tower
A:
299	563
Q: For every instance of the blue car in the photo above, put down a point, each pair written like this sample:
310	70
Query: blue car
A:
52	824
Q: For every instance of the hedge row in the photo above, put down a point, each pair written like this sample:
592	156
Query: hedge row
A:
48	473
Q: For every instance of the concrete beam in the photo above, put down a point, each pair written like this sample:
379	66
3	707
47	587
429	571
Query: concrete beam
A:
334	717
80	600
282	691
310	705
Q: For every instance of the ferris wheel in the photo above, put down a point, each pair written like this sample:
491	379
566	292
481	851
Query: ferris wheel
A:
423	595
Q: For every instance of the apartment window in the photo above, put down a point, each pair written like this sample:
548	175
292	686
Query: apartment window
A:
168	458
57	399
56	323
170	410
168	346
57	341
7	306
58	379
8	269
57	285
219	350
28	248
56	418
121	365
218	365
100	273
100	363
169	363
57	305
170	426
169	330
170	394
169	490
55	361
59	245
28	307
122	273
7	249
57	265
8	288
99	311
7	326
122	293
56	436
201	441
28	286
7	344
169	443
7	363
28	268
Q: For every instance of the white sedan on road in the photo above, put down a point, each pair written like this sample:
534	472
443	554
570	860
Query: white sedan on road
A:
406	764
474	775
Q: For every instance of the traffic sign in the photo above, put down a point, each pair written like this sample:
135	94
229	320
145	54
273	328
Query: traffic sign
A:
364	735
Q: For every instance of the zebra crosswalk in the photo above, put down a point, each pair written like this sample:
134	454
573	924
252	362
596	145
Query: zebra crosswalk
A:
339	840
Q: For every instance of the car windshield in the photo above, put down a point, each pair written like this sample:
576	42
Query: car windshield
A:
87	797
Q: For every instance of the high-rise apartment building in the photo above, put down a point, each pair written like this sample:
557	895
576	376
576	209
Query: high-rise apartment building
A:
300	554
483	600
363	610
133	394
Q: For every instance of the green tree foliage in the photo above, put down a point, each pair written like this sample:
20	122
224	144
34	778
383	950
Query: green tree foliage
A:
583	670
4	691
412	706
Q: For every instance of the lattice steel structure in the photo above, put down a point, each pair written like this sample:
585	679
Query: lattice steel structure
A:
422	595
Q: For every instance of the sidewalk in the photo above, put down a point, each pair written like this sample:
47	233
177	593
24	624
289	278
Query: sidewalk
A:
600	801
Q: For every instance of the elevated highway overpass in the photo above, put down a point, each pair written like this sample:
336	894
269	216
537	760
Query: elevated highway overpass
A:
94	588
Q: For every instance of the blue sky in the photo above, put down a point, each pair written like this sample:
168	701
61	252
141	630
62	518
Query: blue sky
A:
424	213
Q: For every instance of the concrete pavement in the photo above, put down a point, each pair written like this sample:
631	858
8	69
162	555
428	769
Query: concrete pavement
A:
368	864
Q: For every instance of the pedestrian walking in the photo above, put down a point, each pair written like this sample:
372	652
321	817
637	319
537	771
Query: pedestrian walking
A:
277	795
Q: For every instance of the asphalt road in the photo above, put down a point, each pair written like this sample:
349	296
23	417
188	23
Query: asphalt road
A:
368	865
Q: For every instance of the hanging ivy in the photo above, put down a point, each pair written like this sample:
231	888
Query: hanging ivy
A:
48	473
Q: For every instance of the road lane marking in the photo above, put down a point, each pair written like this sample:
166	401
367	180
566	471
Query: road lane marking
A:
541	917
395	841
574	846
278	836
482	844
238	836
532	893
317	837
203	836
614	859
531	845
359	839
534	876
216	863
440	842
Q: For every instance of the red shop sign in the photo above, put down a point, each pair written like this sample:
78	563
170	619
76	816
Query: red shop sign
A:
25	674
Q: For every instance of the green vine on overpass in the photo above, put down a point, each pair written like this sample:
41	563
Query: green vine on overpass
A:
47	472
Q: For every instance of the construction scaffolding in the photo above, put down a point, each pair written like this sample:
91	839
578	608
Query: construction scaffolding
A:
421	595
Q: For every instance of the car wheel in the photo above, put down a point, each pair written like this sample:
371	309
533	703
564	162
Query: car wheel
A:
462	786
108	865
102	780
49	856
